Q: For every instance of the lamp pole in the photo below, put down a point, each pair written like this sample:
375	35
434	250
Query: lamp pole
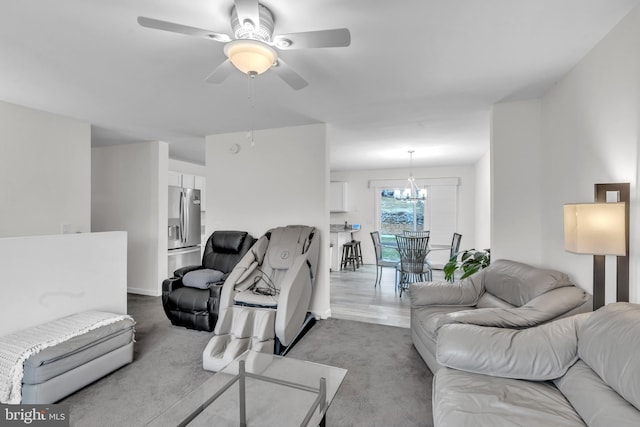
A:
622	261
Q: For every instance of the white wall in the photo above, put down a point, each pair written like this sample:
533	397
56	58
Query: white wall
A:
483	202
186	167
45	173
589	133
361	201
75	272
283	179
129	185
515	182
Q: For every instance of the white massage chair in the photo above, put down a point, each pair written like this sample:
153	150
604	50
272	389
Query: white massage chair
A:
264	302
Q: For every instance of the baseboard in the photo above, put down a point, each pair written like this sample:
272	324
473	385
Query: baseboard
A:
325	315
142	291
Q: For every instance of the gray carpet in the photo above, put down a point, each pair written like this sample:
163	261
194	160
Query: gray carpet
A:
388	384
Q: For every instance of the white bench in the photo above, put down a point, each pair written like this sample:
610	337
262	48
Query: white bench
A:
45	363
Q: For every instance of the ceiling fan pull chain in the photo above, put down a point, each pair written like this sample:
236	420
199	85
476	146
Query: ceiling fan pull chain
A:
250	97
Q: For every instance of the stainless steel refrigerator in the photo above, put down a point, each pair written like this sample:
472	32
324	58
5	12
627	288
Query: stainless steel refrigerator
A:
184	228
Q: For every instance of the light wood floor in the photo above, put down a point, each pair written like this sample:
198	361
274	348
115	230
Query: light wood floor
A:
354	297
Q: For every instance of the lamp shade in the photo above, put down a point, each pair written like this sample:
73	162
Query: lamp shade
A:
595	228
250	56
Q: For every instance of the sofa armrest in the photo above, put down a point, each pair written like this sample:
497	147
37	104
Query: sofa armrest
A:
184	270
462	292
171	284
541	353
541	309
561	301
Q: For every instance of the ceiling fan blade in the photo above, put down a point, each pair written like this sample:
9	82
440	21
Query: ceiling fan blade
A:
289	76
221	72
248	10
172	27
339	37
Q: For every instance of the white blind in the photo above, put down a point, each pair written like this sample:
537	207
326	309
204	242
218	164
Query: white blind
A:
441	213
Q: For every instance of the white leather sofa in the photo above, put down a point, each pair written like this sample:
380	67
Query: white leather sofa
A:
581	370
506	294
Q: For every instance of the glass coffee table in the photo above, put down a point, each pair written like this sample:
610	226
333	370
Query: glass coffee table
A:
258	389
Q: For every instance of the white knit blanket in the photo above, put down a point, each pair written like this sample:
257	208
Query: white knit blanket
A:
18	346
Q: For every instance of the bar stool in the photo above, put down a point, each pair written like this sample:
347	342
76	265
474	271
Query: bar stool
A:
349	256
357	251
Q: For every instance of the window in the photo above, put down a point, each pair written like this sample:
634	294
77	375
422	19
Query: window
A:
437	213
442	202
397	215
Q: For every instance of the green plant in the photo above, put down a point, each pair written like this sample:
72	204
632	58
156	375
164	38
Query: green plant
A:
469	261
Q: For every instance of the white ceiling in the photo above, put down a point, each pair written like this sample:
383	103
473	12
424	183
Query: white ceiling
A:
419	74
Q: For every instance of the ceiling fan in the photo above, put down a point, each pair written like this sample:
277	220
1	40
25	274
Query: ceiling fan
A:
252	47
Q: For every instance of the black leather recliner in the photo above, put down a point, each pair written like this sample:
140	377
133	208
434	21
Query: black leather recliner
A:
191	297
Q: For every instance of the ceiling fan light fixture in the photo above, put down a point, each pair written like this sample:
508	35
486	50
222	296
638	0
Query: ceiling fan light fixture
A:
250	56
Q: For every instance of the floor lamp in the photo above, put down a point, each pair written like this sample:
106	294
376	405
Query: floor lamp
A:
600	229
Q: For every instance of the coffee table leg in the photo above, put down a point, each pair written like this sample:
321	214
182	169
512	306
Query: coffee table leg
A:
323	401
241	384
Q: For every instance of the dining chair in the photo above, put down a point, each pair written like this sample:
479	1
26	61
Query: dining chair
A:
421	233
453	251
380	262
413	253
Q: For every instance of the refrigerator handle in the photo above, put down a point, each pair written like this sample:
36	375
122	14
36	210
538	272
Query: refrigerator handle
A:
186	217
181	219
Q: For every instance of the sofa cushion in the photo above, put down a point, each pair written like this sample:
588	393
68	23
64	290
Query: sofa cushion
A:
541	353
597	403
466	399
608	343
518	283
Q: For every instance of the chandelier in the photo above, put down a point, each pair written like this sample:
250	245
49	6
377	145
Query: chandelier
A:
412	193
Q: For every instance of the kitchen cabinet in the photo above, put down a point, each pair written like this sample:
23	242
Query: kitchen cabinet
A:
338	196
174	179
188	180
185	180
